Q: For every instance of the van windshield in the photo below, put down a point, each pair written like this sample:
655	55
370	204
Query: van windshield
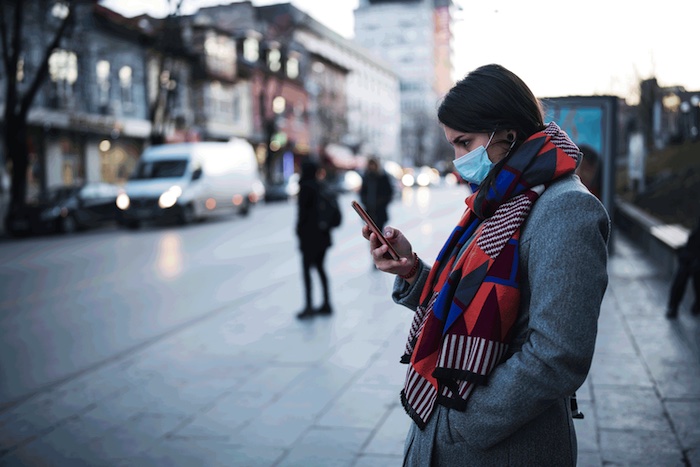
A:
173	168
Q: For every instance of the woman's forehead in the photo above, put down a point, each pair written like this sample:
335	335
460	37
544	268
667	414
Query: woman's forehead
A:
451	133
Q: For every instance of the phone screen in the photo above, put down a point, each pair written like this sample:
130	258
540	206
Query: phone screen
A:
373	227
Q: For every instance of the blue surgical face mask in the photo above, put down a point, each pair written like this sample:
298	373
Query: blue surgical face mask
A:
475	165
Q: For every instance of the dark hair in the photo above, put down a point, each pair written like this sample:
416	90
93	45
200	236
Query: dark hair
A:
492	98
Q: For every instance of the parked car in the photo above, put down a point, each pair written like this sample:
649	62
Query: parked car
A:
67	209
189	181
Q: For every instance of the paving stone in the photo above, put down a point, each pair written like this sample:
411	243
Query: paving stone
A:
586	432
377	460
25	424
608	369
273	429
629	408
324	446
391	434
225	417
209	453
584	392
693	456
271	379
588	459
640	448
613	336
359	407
658	340
677	380
314	390
685	418
62	446
354	355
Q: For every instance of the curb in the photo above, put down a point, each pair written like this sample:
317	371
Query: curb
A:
659	240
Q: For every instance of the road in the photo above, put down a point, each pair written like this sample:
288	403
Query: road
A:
70	304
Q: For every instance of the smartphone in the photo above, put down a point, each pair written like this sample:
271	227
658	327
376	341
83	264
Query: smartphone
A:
373	227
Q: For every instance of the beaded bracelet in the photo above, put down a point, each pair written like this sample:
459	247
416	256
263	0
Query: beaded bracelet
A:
413	270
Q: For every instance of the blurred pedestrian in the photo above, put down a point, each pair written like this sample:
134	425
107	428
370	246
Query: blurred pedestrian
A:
376	192
688	268
506	319
590	169
314	241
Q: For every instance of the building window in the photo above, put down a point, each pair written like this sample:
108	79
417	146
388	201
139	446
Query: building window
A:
220	55
274	60
126	85
236	108
102	71
220	100
63	70
292	68
251	50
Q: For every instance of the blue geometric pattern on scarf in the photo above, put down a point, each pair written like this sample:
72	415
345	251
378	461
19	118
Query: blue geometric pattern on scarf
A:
446	309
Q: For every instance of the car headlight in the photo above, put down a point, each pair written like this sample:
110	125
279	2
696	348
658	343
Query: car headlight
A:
123	201
169	198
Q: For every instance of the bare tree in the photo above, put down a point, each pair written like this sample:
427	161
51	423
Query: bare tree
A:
19	98
168	46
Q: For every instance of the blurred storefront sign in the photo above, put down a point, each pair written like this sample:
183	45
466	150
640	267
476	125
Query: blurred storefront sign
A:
340	157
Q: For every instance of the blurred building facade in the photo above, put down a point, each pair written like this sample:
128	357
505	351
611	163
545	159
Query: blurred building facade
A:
667	114
271	75
415	38
94	93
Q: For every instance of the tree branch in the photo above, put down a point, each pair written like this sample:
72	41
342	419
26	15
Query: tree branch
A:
3	37
17	33
28	98
10	57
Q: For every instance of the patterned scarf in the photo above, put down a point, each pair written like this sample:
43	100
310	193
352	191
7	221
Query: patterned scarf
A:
461	330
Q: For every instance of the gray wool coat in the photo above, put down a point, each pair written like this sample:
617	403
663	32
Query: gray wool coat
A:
522	417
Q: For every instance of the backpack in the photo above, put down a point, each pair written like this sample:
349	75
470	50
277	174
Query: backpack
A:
329	215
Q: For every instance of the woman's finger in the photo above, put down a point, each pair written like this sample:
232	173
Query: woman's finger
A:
365	231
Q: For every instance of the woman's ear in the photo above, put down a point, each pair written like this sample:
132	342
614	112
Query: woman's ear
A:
510	137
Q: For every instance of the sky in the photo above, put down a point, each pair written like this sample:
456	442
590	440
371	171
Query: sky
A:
558	47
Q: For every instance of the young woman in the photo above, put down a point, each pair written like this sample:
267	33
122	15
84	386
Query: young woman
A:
506	318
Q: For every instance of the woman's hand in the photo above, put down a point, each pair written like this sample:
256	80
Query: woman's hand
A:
380	255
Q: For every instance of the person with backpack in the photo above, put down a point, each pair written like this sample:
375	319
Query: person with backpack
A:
313	230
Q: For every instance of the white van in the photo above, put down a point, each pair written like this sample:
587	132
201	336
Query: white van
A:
190	181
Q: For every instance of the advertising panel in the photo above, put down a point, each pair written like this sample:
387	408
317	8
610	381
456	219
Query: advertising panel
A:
591	122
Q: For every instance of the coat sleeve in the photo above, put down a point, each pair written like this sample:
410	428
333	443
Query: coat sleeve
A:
407	294
564	269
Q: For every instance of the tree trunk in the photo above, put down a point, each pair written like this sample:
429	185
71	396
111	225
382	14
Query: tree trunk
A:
16	144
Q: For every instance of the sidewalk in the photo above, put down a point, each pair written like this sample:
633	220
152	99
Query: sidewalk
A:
252	386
